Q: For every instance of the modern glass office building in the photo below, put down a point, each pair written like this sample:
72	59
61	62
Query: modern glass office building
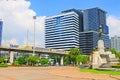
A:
88	41
92	19
62	30
76	28
1	24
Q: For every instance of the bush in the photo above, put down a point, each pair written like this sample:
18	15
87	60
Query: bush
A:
16	63
44	61
103	55
3	64
21	60
82	59
116	66
32	60
66	60
2	59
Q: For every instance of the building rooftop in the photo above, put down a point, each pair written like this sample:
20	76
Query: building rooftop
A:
96	8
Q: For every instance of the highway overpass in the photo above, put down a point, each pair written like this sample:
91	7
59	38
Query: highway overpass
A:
30	50
37	50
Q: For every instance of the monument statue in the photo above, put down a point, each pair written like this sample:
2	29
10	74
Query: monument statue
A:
100	31
100	42
97	60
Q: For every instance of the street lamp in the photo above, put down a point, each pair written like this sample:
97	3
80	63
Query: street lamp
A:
34	17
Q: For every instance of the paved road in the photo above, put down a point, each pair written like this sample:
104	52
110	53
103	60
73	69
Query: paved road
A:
49	73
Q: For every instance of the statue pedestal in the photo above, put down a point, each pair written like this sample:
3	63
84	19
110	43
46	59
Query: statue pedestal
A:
102	58
96	60
101	47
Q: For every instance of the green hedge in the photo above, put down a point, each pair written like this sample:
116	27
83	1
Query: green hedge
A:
16	63
116	66
3	64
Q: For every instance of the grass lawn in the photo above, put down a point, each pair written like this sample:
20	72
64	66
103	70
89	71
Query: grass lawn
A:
100	71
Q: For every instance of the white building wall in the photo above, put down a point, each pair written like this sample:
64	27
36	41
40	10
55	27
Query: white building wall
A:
115	42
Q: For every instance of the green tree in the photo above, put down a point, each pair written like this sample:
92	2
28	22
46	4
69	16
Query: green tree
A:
2	59
32	60
85	59
66	60
118	55
56	58
79	59
44	61
82	59
74	52
16	63
21	60
3	64
113	50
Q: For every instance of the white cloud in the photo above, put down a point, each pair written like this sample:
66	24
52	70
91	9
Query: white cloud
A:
18	18
114	25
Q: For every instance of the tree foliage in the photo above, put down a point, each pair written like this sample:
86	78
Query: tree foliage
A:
32	59
74	52
44	61
21	60
85	59
82	59
117	54
79	58
66	60
16	63
3	64
2	59
113	50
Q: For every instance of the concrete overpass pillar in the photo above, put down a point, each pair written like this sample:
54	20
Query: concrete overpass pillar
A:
11	57
61	61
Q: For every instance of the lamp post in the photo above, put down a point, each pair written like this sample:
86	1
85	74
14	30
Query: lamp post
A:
34	17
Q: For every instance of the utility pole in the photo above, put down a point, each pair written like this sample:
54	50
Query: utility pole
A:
34	17
27	37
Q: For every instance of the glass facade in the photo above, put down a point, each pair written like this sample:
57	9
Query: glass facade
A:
88	41
92	19
1	24
76	28
62	31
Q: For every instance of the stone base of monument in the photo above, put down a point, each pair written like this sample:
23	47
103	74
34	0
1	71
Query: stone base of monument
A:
95	66
102	58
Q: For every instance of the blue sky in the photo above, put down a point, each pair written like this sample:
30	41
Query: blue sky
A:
52	7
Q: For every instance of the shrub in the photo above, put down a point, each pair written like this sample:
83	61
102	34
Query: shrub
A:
44	61
116	66
16	63
66	60
82	58
2	59
103	55
32	60
3	64
21	60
